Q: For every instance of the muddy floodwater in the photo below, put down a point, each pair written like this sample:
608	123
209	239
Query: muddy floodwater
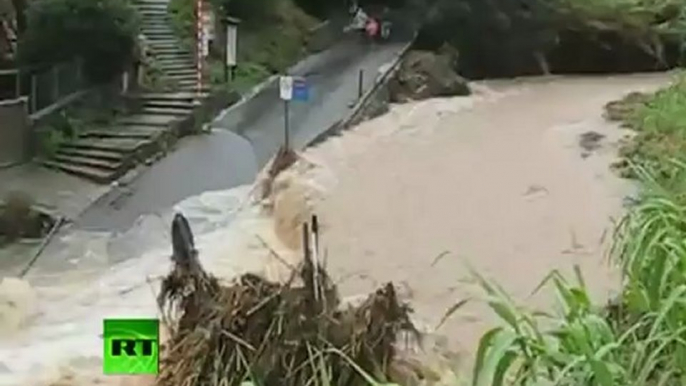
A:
514	181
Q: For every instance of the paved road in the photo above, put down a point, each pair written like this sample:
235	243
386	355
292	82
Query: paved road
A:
333	76
245	137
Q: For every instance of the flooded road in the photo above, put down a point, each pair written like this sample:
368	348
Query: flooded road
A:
498	179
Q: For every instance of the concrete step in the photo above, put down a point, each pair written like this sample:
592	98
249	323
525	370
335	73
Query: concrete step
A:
181	52
193	88
113	145
153	12
184	79
152	9
168	65
187	104
178	57
158	31
157	27
147	120
151	2
171	53
161	26
143	2
175	61
167	45
185	97
88	162
152	5
157	22
169	60
188	72
168	48
134	133
166	111
152	35
101	176
104	155
169	39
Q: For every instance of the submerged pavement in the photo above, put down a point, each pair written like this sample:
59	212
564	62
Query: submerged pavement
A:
246	136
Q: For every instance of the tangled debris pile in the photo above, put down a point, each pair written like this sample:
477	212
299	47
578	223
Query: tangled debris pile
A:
272	334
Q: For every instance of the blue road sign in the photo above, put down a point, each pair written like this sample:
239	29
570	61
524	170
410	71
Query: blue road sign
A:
301	90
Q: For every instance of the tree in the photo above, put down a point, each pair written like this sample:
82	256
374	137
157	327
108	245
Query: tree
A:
100	32
20	14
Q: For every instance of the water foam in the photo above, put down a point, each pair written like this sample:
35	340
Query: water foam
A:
57	334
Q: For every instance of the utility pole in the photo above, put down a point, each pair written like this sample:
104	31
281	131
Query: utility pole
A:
200	42
286	126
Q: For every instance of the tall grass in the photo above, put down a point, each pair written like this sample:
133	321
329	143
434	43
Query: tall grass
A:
640	338
660	126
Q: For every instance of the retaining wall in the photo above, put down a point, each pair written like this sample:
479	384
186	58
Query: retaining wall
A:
14	131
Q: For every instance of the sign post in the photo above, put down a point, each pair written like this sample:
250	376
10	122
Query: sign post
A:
286	94
230	51
291	88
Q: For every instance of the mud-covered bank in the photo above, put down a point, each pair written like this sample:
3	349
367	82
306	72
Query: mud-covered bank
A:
504	38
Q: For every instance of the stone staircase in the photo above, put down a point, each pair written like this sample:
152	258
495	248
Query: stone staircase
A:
176	62
105	154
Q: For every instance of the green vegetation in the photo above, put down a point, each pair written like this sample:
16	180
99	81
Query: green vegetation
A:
73	121
19	219
659	122
639	339
504	38
272	36
101	32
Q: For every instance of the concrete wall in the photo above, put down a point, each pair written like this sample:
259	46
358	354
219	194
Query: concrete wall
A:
14	131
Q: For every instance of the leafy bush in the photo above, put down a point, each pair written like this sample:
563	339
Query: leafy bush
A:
247	10
182	13
15	215
101	32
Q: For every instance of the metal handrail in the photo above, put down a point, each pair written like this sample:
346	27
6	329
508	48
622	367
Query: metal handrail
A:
52	90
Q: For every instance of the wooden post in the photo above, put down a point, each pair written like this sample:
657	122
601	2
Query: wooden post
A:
17	84
33	93
287	128
360	84
55	83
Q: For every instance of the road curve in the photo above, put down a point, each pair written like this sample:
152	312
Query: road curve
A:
245	137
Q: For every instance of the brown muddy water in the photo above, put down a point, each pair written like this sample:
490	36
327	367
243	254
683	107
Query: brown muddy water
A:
513	180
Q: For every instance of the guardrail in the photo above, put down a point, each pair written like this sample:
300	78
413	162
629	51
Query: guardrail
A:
356	113
42	86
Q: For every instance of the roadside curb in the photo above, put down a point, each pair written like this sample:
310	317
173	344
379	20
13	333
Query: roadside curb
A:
245	98
355	111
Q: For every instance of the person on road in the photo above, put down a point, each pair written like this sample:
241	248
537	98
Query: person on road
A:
372	28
